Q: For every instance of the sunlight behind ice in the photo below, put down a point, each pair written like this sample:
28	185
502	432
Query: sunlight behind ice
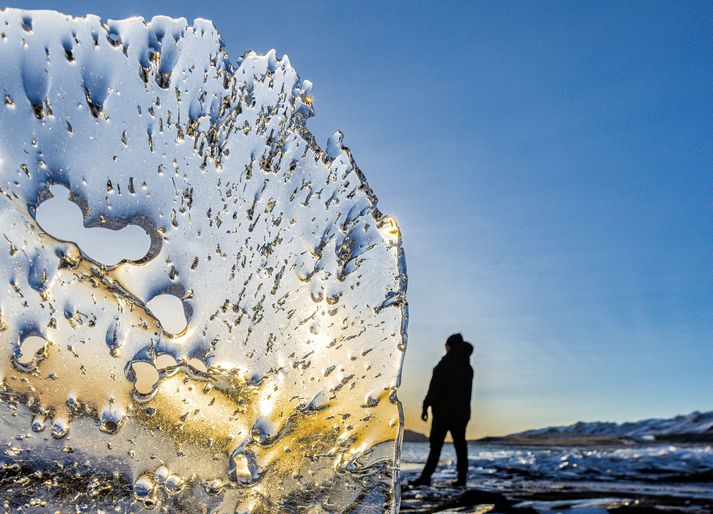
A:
201	308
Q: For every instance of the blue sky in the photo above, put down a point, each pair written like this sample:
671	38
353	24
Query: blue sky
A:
550	167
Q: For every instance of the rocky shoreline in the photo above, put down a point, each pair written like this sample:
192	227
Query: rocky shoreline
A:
574	479
442	498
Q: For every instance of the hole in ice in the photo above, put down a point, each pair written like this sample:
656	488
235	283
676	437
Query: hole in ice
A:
63	219
168	310
31	349
146	377
198	365
164	361
242	467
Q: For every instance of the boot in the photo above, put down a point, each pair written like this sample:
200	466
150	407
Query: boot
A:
420	481
460	482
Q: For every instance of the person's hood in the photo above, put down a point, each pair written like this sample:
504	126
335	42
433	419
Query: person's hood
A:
459	353
463	351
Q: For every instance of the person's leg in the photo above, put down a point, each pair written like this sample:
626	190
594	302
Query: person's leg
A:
438	435
461	446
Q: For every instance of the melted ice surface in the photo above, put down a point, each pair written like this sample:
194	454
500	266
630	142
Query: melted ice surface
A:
267	382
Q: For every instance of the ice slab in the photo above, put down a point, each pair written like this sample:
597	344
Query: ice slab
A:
266	378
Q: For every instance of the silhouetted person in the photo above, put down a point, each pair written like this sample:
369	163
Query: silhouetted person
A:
449	398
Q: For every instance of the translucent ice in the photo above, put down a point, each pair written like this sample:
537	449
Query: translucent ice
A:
246	355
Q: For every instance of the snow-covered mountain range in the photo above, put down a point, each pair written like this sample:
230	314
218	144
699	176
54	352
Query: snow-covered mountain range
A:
696	427
693	423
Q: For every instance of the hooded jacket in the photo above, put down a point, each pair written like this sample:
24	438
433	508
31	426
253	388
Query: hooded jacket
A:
451	385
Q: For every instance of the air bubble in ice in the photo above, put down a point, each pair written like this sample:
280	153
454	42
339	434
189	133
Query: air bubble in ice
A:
60	427
144	490
38	423
111	420
173	483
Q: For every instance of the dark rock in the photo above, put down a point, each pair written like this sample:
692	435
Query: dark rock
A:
411	436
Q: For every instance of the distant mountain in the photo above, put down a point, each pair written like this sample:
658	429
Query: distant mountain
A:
694	427
411	436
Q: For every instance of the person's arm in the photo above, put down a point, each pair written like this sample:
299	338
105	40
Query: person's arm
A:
434	390
469	389
470	384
